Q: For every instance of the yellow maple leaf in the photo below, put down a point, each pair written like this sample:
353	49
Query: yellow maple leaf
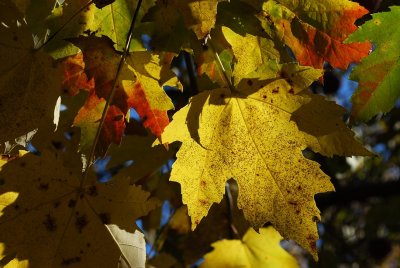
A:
250	137
254	250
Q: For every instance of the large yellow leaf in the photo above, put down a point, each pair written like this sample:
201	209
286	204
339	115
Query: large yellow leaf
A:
250	137
254	250
58	218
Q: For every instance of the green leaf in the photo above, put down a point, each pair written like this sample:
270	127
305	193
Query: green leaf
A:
378	75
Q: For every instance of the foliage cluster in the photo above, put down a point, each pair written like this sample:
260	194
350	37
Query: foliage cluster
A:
88	86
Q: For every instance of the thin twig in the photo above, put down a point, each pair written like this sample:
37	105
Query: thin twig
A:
65	24
113	89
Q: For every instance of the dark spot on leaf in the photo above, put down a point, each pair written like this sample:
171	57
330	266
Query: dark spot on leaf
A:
203	183
92	191
203	202
71	203
67	262
105	218
275	90
56	204
291	91
293	203
264	96
81	222
50	223
43	186
299	188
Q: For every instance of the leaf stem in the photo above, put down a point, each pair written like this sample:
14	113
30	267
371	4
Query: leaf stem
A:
113	88
65	24
219	64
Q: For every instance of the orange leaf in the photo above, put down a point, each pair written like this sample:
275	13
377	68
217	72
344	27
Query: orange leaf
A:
88	119
75	77
153	119
316	34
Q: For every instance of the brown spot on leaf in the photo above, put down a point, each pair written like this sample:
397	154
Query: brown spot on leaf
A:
291	91
293	203
275	90
81	222
71	203
50	223
43	186
203	183
56	204
92	191
203	202
105	218
70	261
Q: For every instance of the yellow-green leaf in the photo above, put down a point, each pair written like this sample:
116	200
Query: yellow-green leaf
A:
254	250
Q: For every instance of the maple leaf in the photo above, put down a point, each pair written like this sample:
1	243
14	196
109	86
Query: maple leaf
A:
249	135
75	77
254	142
139	86
326	133
175	21
25	101
62	219
88	119
76	18
378	74
315	30
250	52
254	250
139	149
197	15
